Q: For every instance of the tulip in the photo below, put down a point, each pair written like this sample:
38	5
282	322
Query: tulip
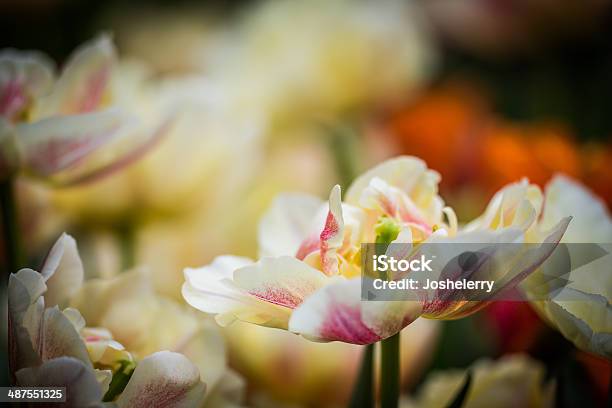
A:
581	309
65	130
308	279
512	381
54	346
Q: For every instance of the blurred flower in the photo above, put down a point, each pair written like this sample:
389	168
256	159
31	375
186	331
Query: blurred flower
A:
453	128
156	183
120	348
324	64
69	129
308	280
595	164
581	310
512	381
294	370
516	326
171	40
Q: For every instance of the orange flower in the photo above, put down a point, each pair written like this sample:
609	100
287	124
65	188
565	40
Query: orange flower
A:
452	128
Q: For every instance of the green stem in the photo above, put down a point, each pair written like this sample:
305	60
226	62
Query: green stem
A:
10	228
343	145
389	372
127	239
363	395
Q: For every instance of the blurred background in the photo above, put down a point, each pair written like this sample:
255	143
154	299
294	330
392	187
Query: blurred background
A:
299	95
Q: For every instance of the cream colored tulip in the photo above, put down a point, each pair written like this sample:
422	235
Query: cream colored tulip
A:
70	129
512	381
112	325
308	279
581	310
323	64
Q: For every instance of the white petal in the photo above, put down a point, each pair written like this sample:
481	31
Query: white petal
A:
517	204
25	311
283	281
401	172
591	220
82	387
163	379
63	271
585	319
337	313
60	338
75	148
287	223
332	235
211	289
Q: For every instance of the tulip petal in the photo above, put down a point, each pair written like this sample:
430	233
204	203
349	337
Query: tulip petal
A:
83	82
332	235
82	387
25	314
337	313
283	281
585	319
60	338
62	271
401	172
211	289
591	219
24	76
163	379
287	224
517	204
411	176
61	149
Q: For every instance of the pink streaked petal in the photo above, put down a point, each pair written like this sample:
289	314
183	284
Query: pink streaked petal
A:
57	144
393	202
308	246
163	379
283	281
13	99
83	82
24	76
336	313
128	157
211	289
287	223
332	235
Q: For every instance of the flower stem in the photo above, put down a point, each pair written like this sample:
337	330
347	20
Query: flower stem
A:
343	146
126	233
389	371
10	228
363	395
